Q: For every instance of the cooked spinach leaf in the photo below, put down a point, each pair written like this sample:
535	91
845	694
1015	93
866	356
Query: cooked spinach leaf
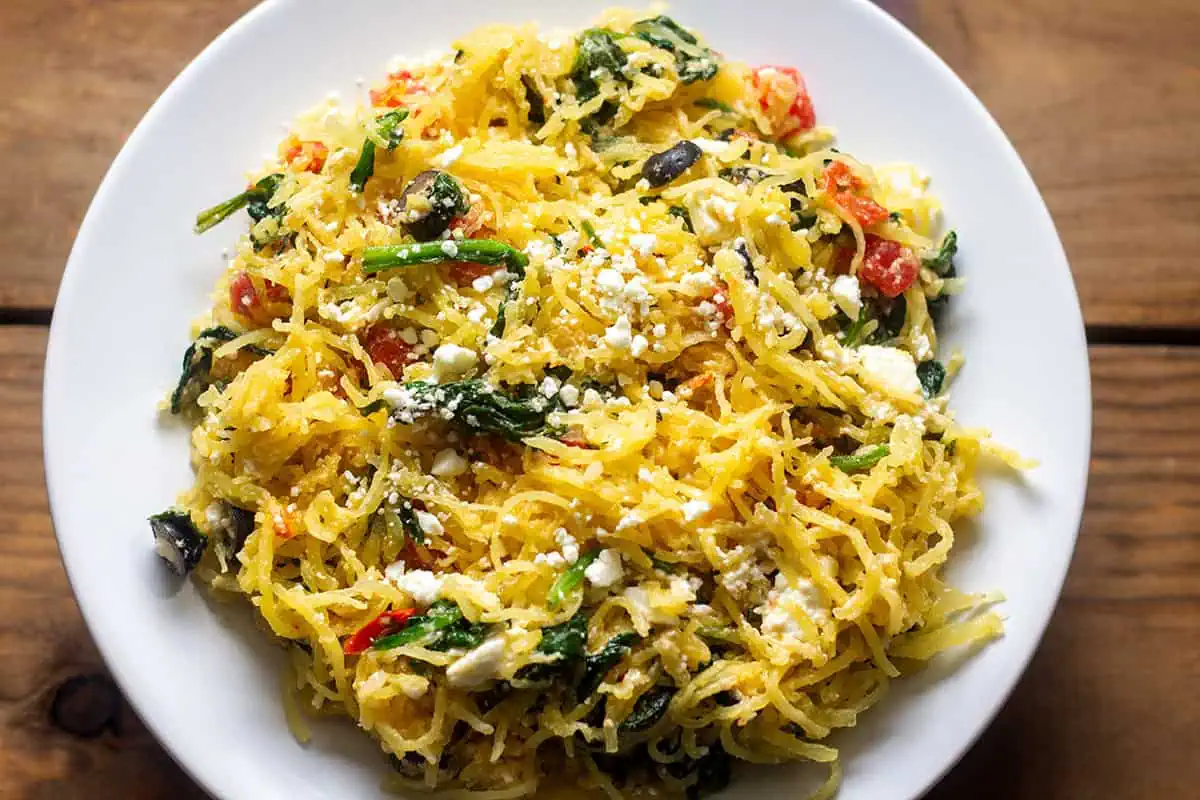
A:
932	375
693	61
194	376
443	617
598	54
856	462
387	125
597	665
478	407
571	579
537	106
648	709
942	262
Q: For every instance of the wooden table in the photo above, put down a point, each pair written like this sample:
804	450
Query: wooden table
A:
1101	97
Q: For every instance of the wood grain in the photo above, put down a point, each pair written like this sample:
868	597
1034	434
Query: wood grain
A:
1109	707
43	641
1102	100
75	77
1101	97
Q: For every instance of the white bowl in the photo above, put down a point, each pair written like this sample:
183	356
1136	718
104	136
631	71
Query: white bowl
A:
208	684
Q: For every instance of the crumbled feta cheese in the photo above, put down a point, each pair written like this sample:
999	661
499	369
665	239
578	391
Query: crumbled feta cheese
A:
569	395
694	509
450	248
606	570
478	666
393	571
334	256
452	360
923	346
567	544
891	368
643	242
429	523
423	585
699	282
610	282
555	560
619	335
847	294
713	218
550	386
638	345
483	283
448	157
448	464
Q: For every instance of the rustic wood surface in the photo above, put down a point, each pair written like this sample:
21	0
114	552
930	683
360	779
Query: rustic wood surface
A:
1102	99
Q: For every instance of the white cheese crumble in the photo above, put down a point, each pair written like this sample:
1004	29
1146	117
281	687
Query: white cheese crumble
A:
643	243
619	335
569	395
567	544
452	360
891	368
448	157
429	523
423	585
478	666
606	570
448	464
483	283
699	282
847	294
694	509
449	248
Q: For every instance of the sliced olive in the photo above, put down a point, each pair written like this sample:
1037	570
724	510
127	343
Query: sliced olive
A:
429	202
178	540
662	168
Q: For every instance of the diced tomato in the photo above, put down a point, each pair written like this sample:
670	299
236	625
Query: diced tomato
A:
306	155
841	184
785	100
463	273
387	349
888	266
243	297
865	210
286	524
399	85
575	438
720	299
277	292
386	623
840	178
472	224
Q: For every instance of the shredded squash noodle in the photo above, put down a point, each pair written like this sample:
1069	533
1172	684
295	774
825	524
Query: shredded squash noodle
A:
570	414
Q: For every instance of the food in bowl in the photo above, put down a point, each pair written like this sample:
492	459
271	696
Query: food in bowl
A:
571	414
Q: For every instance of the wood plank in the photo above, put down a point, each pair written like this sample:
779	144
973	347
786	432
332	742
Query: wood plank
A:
1107	709
1101	97
42	636
1102	100
78	75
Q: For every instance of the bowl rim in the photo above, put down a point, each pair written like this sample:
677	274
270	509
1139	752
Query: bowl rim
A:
55	363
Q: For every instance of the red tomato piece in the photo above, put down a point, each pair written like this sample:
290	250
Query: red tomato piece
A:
306	155
463	273
387	349
784	98
243	297
277	292
720	299
386	623
865	210
888	266
840	178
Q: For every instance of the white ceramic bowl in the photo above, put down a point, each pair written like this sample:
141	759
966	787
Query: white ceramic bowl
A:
207	683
